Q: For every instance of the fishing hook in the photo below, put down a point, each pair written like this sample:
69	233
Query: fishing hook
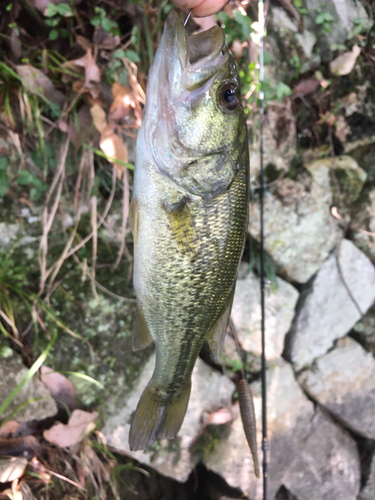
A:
188	17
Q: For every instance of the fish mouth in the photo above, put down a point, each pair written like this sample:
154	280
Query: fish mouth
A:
201	55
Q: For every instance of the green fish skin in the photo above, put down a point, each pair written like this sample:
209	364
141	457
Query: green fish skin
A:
189	213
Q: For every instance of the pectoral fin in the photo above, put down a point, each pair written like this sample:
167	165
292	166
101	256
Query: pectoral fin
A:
133	220
141	334
183	227
217	333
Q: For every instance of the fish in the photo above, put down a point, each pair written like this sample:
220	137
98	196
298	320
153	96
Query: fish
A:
189	216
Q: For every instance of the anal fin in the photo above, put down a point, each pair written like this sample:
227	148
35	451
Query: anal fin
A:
141	334
217	333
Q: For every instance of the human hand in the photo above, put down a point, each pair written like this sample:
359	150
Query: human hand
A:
200	8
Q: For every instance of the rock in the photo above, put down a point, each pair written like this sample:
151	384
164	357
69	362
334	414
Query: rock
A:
368	492
246	315
362	224
350	178
291	43
328	312
210	391
279	141
8	234
312	457
300	231
365	329
336	29
343	381
33	402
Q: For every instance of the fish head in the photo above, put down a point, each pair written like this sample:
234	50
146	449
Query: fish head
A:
194	121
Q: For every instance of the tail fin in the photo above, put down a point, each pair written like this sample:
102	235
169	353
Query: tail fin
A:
154	419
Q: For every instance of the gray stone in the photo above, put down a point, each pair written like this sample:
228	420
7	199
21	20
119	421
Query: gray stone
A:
300	231
350	177
312	457
343	381
344	12
278	151
365	329
363	223
368	492
210	391
8	234
246	315
33	402
328	311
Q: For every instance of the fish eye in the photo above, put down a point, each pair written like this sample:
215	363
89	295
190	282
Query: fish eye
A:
228	97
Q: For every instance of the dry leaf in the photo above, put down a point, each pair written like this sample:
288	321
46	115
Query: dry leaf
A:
9	428
13	495
344	63
83	42
105	40
61	389
305	87
36	81
92	71
80	129
99	117
220	417
112	145
79	425
122	102
12	468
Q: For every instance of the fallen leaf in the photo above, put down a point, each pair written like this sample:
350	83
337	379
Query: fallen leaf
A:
12	468
220	417
344	63
99	117
112	145
92	71
105	40
83	42
79	425
80	129
9	428
122	102
305	87
36	82
13	495
61	389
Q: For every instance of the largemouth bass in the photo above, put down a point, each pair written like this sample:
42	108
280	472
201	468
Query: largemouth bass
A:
190	212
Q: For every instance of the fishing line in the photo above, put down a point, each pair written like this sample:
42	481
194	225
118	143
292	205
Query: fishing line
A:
262	277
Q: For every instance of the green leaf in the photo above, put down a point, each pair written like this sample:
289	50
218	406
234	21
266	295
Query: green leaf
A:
54	35
107	24
4	183
51	10
35	194
118	54
132	56
24	178
64	10
3	163
282	90
319	19
95	21
52	22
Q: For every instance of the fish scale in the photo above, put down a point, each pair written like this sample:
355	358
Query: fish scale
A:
190	216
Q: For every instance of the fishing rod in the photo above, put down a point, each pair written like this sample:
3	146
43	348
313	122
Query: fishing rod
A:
265	446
